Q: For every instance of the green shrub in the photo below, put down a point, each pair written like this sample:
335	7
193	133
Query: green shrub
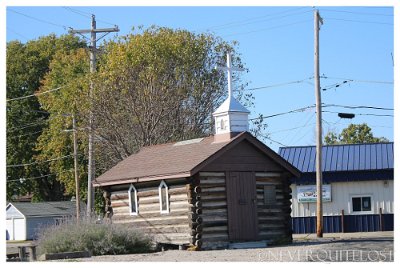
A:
98	239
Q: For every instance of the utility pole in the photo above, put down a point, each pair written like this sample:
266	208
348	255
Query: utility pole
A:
77	188
320	223
93	31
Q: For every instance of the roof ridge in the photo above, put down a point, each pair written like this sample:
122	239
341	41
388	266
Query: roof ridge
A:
171	143
343	144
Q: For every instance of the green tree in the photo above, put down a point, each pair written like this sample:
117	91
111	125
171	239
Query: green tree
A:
354	133
26	66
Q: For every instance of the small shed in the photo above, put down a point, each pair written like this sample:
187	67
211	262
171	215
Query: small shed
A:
206	192
357	187
24	219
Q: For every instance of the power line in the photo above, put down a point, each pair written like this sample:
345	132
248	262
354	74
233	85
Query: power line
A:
383	115
43	176
278	85
358	107
355	12
271	28
289	112
35	94
40	162
277	142
40	20
268	19
251	19
359	21
86	14
359	81
11	30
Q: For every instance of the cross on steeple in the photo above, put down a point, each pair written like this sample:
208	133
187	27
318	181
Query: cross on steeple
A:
231	117
229	69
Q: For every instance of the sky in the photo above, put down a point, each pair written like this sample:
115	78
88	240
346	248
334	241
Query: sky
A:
277	46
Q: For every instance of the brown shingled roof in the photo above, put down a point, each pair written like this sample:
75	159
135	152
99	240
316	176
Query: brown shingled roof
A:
172	160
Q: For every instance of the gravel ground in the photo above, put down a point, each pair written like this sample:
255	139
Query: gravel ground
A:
331	249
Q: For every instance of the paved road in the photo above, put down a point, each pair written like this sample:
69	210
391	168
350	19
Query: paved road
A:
331	248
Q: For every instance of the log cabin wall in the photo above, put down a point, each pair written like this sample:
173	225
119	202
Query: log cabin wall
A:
214	211
274	207
170	228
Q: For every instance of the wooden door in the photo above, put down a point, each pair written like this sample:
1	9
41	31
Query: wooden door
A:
242	206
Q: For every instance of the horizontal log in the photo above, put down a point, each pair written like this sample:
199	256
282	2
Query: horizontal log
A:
156	199
211	174
222	235
219	195
263	213
271	226
267	174
215	214
210	219
198	204
156	206
279	197
118	204
209	195
274	210
221	238
155	191
223	222
213	200
120	196
213	210
215	229
213	189
214	206
152	222
211	180
210	204
276	218
213	185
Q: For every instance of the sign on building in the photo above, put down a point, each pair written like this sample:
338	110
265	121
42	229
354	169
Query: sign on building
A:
308	193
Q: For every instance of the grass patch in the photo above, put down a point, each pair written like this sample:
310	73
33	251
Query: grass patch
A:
98	239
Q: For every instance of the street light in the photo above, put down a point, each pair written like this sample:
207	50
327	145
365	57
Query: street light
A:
346	115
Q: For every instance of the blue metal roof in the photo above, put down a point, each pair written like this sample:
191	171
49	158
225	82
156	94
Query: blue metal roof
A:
343	157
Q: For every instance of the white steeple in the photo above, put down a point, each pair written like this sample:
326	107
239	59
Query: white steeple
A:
231	117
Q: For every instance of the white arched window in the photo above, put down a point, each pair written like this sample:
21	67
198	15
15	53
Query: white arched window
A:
133	204
163	195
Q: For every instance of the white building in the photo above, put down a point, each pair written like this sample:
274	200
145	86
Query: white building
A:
357	185
24	219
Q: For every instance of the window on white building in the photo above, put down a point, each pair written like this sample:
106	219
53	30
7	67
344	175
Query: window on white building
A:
163	195
133	204
361	203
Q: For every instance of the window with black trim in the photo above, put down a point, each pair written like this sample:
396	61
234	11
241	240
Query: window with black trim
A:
361	203
133	204
163	195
